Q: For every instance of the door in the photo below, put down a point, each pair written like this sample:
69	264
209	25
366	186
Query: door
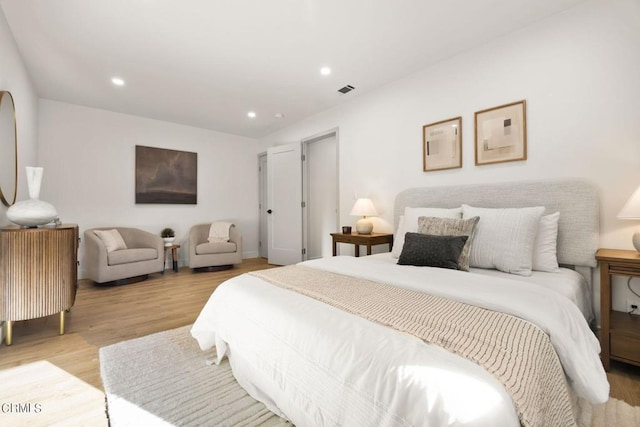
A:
320	180
263	243
284	208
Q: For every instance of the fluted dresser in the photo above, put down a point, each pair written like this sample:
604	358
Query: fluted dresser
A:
38	273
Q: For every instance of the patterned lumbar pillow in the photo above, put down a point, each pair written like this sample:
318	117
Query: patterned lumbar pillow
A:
451	227
111	239
408	223
425	250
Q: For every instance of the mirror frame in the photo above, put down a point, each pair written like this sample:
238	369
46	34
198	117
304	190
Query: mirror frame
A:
3	197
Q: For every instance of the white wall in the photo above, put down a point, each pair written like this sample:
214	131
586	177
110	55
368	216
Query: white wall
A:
88	157
15	79
579	73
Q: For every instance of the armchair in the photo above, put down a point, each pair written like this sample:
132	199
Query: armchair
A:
205	256
144	255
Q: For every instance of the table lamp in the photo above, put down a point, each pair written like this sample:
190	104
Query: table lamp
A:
364	208
631	210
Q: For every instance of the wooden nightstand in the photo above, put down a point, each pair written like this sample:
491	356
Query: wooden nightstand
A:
367	240
619	332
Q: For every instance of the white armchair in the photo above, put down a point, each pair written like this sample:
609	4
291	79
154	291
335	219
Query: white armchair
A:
144	255
205	256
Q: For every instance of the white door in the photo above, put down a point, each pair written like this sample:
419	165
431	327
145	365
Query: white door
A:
284	172
321	177
263	244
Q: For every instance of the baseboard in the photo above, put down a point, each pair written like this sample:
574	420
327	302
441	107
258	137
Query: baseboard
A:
252	254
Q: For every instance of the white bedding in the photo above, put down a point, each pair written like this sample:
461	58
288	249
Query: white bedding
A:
567	282
317	365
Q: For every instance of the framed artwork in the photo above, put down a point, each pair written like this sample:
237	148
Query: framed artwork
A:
442	145
501	134
166	176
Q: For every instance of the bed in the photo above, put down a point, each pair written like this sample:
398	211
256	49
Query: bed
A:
314	363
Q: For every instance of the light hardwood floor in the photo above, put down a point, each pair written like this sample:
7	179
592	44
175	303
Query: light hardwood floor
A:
104	316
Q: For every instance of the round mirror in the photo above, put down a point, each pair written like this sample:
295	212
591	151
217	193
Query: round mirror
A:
8	149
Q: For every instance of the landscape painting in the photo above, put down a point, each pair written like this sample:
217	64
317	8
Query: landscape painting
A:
166	176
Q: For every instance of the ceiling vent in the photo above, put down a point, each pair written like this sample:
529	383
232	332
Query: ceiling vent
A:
346	89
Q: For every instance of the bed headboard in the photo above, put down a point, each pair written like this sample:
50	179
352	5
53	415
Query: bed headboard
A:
575	199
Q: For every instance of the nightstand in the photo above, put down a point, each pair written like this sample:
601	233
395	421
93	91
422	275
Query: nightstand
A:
367	240
619	331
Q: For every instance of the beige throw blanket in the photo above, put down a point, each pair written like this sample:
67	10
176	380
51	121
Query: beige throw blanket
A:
219	231
516	352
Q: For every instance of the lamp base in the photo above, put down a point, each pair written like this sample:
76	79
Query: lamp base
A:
636	241
364	226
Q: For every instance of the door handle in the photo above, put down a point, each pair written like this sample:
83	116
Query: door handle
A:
269	211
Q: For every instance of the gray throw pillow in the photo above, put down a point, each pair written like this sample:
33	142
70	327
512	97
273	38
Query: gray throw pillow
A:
451	227
423	250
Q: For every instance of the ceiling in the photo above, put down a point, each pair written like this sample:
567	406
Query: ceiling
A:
206	63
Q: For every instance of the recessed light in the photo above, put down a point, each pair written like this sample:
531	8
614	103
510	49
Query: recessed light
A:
325	71
117	81
278	115
251	114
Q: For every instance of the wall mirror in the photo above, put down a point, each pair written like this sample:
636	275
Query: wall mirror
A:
8	149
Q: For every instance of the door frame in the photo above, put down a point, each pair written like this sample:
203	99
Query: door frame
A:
305	183
263	228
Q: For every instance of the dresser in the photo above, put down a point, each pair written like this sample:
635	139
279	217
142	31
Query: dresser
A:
38	273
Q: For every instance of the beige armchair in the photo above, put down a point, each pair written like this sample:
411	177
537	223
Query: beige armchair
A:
144	255
205	256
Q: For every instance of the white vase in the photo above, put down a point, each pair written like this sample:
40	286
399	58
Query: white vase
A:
32	212
168	241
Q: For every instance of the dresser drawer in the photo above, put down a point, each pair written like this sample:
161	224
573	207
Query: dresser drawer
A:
625	347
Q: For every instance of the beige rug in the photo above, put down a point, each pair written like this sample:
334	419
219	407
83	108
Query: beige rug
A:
41	394
162	379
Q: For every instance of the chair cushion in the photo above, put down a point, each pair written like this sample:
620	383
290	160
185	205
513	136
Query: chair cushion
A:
126	256
112	239
216	248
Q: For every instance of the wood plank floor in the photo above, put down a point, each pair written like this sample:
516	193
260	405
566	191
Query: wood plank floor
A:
104	316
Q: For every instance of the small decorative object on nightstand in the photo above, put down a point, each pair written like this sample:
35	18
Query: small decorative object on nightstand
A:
364	208
168	235
362	239
631	210
619	332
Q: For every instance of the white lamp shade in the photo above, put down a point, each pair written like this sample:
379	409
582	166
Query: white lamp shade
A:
631	209
364	207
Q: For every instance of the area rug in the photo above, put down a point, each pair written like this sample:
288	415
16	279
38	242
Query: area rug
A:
41	394
163	379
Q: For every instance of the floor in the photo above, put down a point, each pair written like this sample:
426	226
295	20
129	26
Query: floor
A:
106	315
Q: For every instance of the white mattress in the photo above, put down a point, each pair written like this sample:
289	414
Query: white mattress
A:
317	365
567	282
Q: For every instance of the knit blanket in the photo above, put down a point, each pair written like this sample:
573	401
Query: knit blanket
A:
516	352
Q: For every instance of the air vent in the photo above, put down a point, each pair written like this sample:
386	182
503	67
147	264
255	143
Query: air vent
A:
346	89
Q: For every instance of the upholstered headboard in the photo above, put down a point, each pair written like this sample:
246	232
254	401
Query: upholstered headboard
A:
575	199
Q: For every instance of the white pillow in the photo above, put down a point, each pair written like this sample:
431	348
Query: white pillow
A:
545	257
408	223
111	239
504	238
